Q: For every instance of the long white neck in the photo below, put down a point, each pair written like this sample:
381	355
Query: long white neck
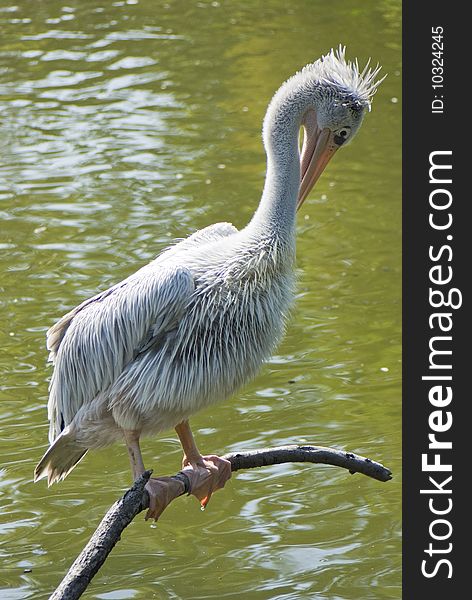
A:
276	212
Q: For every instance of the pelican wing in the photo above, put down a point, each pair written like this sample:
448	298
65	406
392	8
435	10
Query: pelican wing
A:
91	345
212	233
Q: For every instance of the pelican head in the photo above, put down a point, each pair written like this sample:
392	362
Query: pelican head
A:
328	100
340	95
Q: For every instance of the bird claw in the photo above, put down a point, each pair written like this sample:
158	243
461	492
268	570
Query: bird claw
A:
207	474
161	490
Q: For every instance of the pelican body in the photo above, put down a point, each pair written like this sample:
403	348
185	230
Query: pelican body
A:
176	336
195	324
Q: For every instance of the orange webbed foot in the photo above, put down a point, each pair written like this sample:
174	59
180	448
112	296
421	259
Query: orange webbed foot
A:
161	490
207	474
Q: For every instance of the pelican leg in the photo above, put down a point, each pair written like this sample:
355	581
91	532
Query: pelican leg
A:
218	469
161	490
134	452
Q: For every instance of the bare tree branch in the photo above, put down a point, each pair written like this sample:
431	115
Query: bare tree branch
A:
313	454
136	500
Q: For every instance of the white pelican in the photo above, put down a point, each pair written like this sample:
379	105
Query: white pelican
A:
196	323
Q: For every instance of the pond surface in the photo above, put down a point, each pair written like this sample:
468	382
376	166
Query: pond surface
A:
123	126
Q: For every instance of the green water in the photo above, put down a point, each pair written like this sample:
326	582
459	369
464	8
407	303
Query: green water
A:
124	125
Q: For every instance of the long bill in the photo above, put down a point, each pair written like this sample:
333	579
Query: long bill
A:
318	149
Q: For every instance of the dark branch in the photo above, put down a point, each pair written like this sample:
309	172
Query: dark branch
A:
136	500
107	534
313	454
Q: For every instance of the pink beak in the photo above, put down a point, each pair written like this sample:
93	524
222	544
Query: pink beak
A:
317	150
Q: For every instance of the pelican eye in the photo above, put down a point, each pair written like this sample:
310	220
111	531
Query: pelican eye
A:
342	135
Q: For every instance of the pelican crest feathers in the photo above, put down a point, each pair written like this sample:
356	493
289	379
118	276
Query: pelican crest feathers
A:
333	69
